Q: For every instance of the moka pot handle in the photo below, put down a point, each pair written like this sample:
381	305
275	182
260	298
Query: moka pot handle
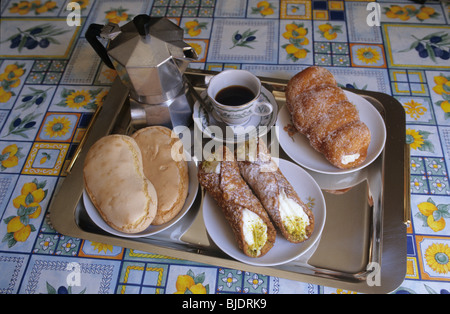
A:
92	35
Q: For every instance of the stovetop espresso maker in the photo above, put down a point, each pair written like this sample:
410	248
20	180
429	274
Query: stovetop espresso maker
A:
150	58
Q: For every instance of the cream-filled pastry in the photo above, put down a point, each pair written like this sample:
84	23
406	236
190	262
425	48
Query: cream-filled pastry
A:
285	208
321	111
252	228
293	217
255	231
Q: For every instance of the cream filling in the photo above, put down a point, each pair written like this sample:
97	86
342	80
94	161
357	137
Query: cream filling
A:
349	158
293	217
255	231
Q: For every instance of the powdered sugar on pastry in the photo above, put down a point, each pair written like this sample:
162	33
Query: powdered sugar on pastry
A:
307	79
321	111
277	195
220	177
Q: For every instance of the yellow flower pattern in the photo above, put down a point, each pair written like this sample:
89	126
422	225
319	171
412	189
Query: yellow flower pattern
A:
414	109
83	99
368	55
78	99
437	257
418	140
58	127
415	140
102	247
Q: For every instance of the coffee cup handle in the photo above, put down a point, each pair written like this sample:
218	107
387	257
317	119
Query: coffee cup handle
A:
262	108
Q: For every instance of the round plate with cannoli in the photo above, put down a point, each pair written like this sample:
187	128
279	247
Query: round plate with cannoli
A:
326	129
260	210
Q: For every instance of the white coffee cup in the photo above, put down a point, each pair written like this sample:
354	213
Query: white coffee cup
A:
241	113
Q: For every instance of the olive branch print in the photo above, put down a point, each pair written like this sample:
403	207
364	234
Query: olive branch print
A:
19	125
244	39
37	97
434	46
42	35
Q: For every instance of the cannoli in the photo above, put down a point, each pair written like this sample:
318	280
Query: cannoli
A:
292	217
322	112
252	228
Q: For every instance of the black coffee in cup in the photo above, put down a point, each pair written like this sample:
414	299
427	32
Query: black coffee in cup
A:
234	95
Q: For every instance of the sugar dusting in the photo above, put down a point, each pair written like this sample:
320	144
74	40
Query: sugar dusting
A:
321	111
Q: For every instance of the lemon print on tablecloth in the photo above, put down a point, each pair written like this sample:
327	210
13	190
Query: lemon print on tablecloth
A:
433	215
329	31
296	34
19	226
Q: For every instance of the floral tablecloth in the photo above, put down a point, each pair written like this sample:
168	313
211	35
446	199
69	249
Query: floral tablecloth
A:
52	82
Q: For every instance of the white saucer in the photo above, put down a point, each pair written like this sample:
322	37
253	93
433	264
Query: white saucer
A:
255	126
299	149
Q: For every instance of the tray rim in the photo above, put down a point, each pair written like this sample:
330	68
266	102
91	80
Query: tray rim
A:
64	205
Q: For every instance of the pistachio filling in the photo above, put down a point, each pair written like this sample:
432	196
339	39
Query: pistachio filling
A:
255	232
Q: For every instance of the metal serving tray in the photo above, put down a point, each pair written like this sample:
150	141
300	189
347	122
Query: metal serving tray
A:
363	245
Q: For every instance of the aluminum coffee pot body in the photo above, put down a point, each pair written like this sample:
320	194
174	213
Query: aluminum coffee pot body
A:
150	58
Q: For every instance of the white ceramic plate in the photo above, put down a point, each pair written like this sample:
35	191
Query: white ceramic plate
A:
283	251
298	148
192	192
206	121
